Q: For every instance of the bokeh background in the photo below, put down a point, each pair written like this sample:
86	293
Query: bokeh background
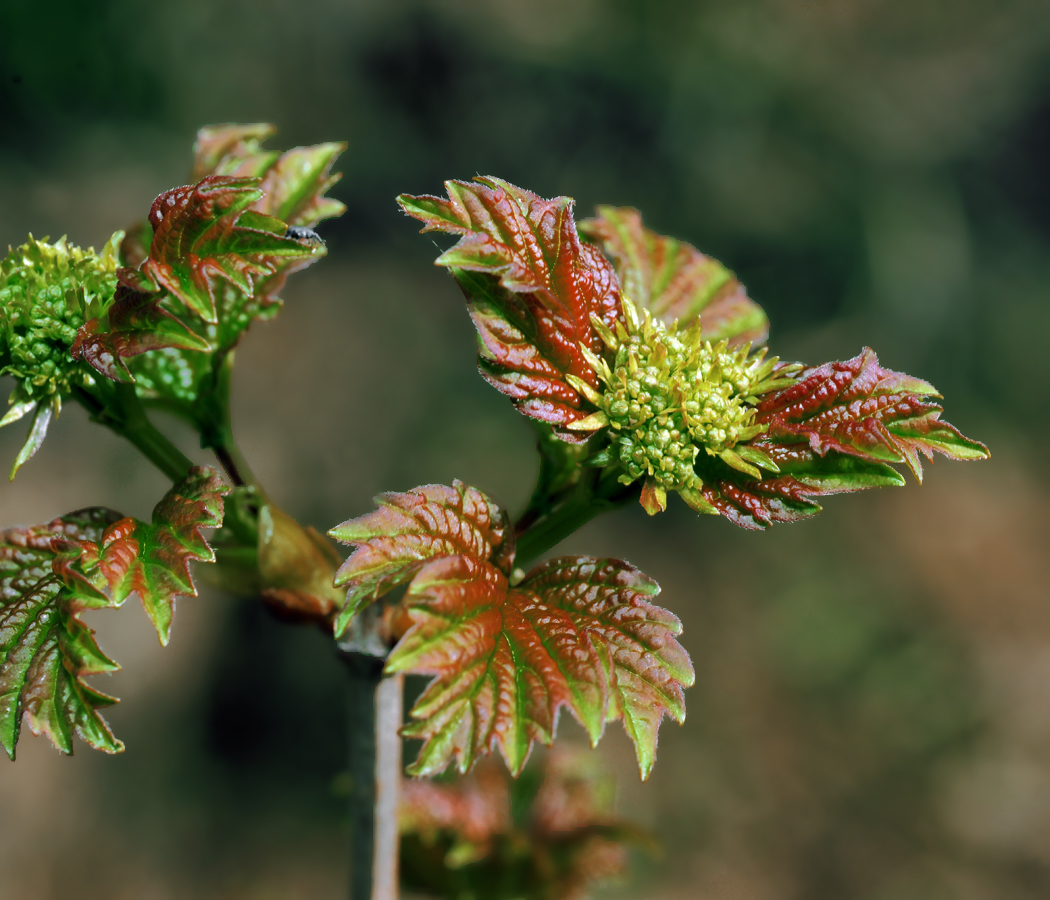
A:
871	717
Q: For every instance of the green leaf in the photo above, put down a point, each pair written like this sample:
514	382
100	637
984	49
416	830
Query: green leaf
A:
206	232
47	292
674	280
152	560
532	287
293	185
91	559
46	651
577	632
294	182
791	494
409	529
549	835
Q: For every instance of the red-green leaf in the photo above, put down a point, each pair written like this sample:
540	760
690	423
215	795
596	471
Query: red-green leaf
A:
576	632
791	494
293	182
561	838
216	143
409	529
834	431
135	323
205	232
46	651
674	280
858	408
153	560
532	286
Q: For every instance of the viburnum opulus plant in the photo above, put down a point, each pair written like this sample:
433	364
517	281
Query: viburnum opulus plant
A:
639	360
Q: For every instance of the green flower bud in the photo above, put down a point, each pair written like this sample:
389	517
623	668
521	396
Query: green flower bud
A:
669	394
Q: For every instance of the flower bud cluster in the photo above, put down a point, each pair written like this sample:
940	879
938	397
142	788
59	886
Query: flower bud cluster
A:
668	394
47	291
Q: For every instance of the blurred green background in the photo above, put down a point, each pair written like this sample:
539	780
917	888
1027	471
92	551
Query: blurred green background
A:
871	718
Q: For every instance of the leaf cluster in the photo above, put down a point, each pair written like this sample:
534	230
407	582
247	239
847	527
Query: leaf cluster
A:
86	560
164	306
670	394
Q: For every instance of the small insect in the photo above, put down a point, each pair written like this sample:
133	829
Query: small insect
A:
299	233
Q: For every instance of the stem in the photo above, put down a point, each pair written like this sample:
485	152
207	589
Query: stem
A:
215	424
375	711
593	495
125	416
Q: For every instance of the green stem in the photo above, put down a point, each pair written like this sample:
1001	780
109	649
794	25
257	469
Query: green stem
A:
124	415
215	423
593	495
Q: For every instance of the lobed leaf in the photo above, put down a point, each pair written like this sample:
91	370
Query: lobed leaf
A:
152	560
836	430
292	186
410	529
577	632
551	833
858	408
206	232
531	286
46	651
136	323
674	280
293	183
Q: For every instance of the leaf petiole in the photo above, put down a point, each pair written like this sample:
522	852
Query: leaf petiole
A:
123	414
593	494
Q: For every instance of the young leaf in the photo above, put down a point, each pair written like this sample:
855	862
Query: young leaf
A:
834	431
532	287
218	143
135	323
549	835
153	560
674	280
790	494
858	408
46	651
395	541
205	232
293	182
576	632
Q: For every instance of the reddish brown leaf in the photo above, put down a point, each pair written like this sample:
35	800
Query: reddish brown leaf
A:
135	323
409	529
532	287
577	633
860	409
674	280
791	494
